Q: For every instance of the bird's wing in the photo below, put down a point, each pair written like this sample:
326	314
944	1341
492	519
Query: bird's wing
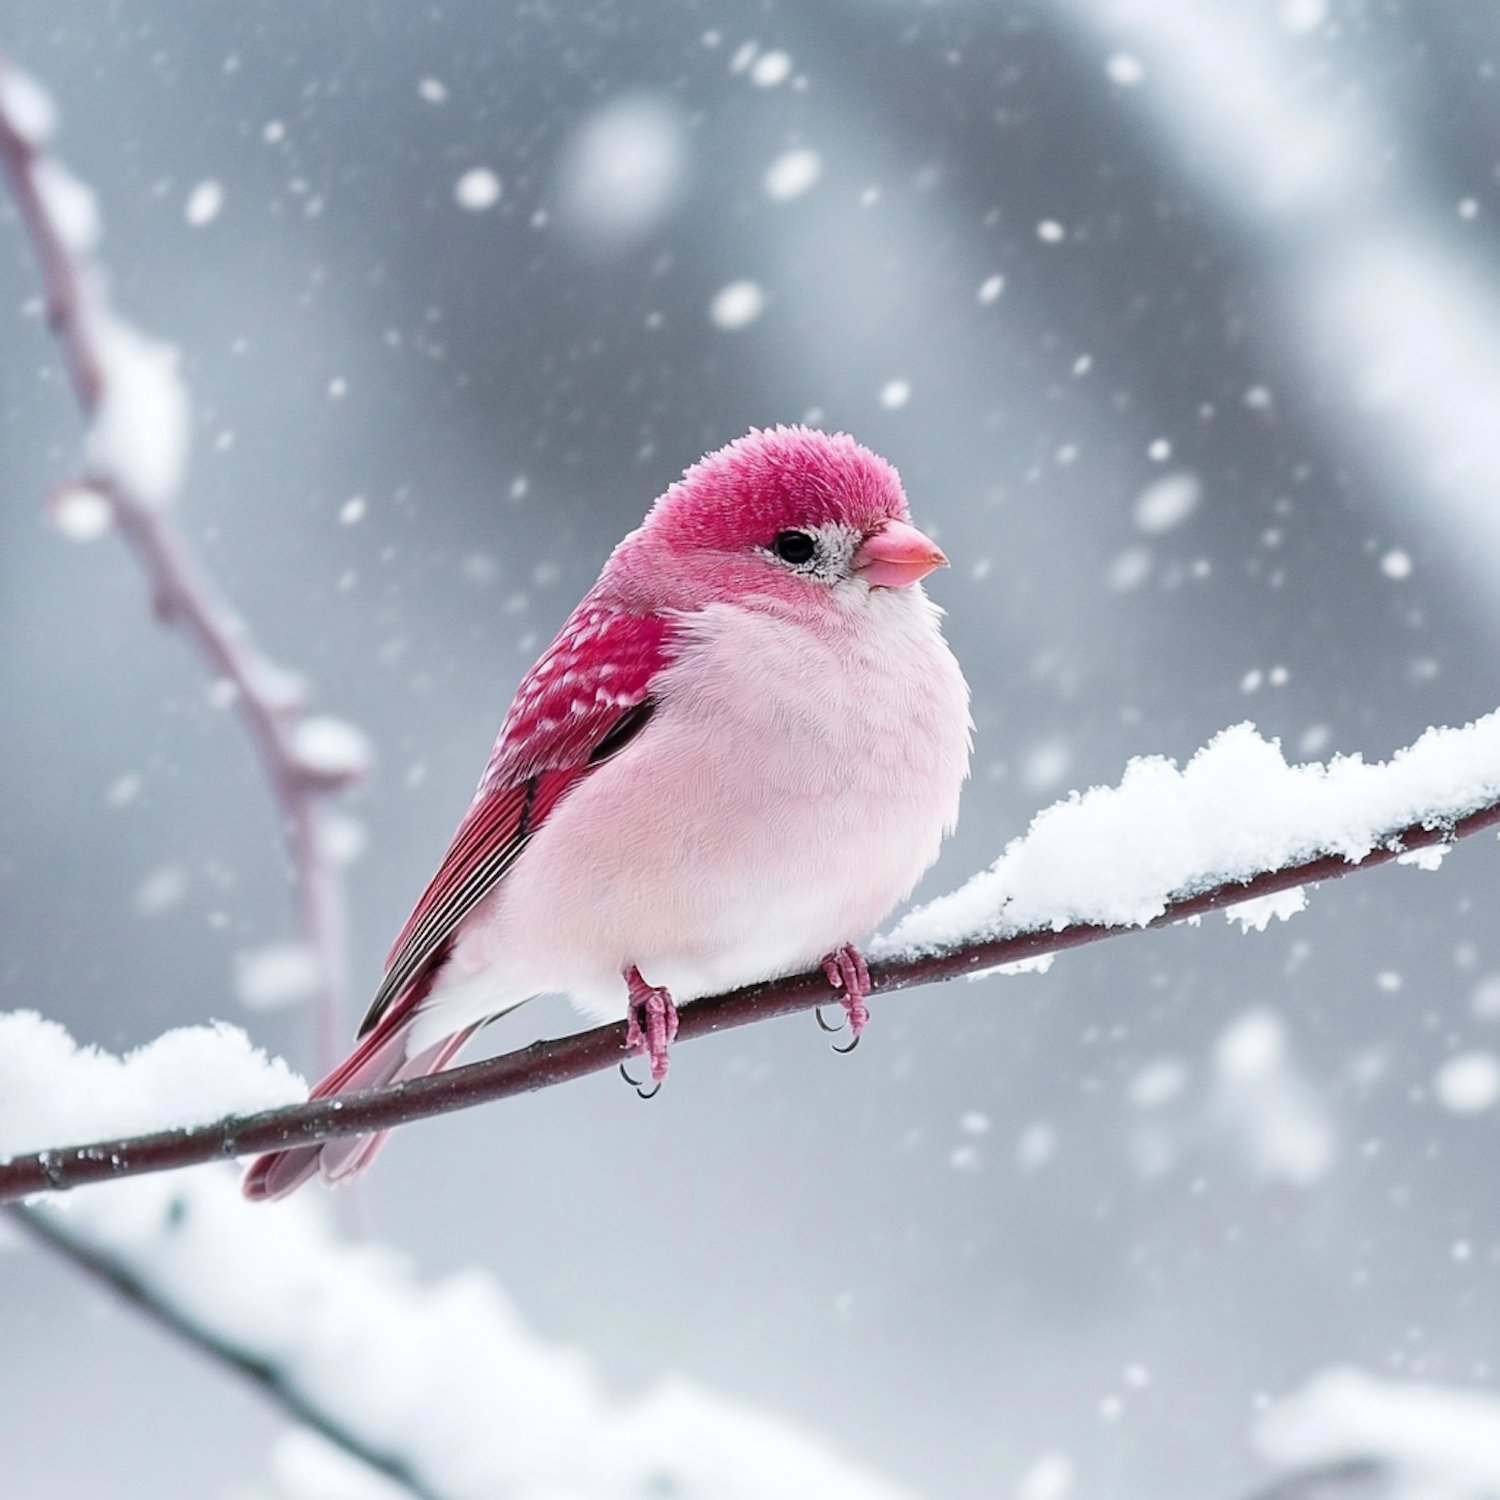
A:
585	699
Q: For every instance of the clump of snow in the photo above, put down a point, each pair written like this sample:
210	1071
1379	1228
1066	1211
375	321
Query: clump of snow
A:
27	106
1440	1441
1129	570
331	748
161	890
52	1090
278	975
770	69
737	305
1485	1001
1167	503
1314	740
990	289
1124	69
343	838
895	394
1049	1478
139	436
1158	1083
1038	963
1116	856
623	169
1282	905
1253	1046
1431	858
444	1377
123	790
1302	16
1469	1083
1280	1124
792	174
70	206
204	203
477	190
1036	1146
1046	764
277	687
80	512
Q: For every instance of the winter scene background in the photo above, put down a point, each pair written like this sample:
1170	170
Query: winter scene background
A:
1181	321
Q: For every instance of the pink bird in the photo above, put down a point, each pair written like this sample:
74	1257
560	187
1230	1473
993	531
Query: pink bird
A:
743	748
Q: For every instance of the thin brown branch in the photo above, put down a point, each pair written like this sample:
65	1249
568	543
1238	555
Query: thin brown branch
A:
546	1063
271	703
272	1380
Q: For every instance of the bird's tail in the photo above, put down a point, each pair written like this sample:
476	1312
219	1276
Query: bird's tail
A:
380	1058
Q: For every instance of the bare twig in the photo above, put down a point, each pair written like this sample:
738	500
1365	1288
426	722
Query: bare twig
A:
1344	1480
550	1062
271	702
272	1380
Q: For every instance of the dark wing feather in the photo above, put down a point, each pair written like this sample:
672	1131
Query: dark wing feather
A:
586	698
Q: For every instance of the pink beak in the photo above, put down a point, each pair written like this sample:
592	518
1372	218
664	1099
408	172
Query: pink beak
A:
897	555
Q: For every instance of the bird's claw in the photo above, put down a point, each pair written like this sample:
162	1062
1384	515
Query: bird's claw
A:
818	1017
651	1027
638	1085
847	972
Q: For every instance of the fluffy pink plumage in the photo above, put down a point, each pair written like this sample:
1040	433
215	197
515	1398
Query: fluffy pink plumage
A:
742	749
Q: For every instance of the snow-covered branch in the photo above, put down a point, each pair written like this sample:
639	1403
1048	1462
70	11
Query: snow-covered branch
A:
1236	829
136	453
440	1387
1410	1441
104	1263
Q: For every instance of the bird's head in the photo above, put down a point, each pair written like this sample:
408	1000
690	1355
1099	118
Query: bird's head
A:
788	514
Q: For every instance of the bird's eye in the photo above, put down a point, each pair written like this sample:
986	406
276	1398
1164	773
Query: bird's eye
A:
795	547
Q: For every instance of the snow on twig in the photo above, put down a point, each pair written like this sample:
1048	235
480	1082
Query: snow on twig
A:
189	1076
438	1386
1236	830
1427	1440
1118	856
123	1274
136	452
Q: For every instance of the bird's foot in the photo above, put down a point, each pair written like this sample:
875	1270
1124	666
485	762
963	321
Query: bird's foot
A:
847	971
652	1018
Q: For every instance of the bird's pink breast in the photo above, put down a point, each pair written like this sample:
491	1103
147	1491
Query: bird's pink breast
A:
790	789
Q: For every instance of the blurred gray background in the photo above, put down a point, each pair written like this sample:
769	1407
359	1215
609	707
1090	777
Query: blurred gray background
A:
1220	442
